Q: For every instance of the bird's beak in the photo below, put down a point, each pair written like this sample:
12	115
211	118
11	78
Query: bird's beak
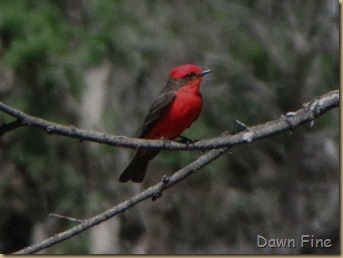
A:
205	72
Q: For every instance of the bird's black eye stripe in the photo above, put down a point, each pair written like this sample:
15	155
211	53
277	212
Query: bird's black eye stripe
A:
190	75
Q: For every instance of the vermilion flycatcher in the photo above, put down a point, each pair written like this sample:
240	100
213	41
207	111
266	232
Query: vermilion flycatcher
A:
175	109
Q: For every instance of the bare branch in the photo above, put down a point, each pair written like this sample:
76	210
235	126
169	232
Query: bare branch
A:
291	120
66	218
311	111
151	192
4	128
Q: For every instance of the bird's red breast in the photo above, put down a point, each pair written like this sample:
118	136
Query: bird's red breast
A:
183	111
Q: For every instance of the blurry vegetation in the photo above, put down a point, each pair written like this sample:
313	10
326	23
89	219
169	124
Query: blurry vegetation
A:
99	64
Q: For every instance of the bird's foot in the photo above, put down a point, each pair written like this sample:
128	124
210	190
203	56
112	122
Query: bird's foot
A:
187	140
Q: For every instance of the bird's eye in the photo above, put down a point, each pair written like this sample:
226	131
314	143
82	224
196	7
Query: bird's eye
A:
190	74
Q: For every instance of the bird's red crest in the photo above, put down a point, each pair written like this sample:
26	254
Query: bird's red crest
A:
183	70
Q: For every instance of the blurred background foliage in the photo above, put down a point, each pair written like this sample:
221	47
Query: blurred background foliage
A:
99	64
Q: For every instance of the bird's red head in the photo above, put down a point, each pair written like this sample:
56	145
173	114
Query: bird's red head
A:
187	70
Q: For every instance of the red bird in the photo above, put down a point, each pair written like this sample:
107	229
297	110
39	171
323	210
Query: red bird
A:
175	109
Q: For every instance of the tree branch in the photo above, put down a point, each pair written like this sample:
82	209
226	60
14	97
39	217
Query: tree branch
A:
4	128
311	111
153	192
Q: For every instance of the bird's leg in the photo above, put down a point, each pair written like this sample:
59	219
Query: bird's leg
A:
187	140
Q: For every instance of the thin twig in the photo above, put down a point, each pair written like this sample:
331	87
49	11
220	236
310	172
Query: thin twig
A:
5	128
66	218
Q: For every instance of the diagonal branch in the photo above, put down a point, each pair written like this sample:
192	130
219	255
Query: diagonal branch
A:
309	112
4	128
153	192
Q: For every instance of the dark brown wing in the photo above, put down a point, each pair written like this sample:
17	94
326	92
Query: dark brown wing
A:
161	104
157	109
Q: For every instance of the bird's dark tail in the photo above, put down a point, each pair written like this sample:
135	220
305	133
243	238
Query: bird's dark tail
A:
136	170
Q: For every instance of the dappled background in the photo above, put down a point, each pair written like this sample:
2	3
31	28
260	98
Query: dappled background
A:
98	65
